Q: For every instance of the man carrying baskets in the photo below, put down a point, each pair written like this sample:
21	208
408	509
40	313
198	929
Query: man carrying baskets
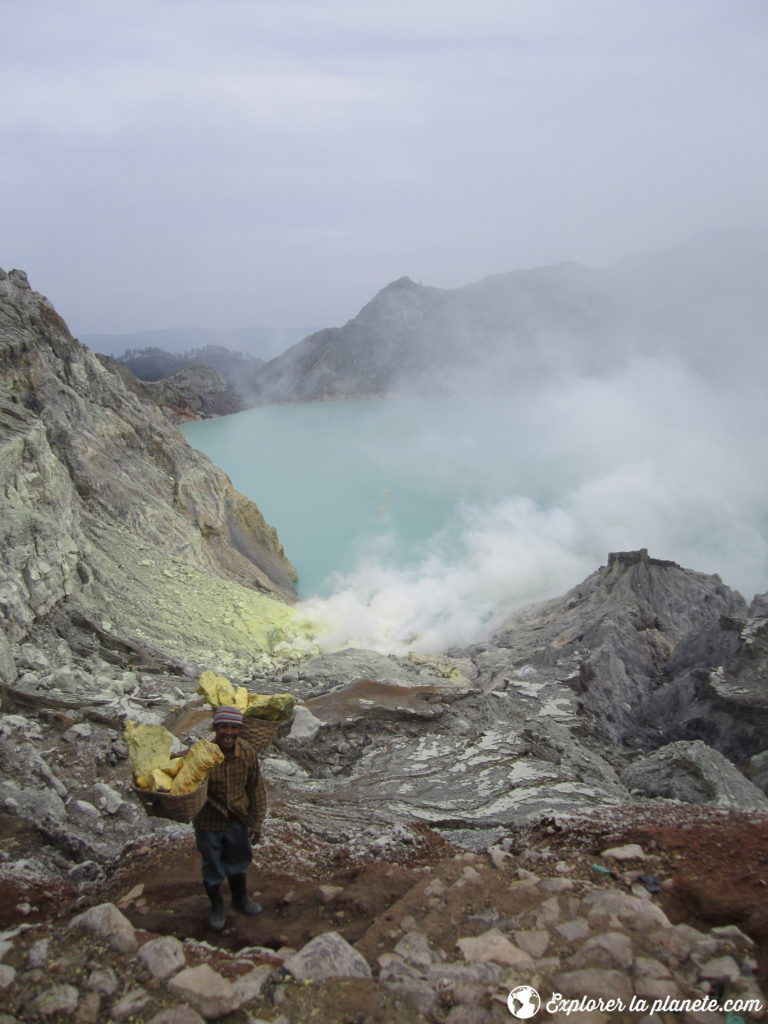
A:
230	820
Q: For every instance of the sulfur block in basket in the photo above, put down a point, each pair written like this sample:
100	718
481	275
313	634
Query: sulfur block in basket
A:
219	692
149	747
198	761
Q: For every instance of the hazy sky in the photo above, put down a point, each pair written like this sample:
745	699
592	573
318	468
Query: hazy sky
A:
236	163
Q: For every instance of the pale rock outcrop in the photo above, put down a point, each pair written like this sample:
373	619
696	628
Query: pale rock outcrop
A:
101	495
327	956
694	773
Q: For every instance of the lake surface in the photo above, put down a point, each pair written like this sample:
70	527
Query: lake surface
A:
343	480
419	523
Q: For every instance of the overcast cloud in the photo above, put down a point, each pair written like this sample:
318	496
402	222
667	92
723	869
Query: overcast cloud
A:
235	163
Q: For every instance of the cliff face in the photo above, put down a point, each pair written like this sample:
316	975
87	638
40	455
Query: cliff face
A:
104	503
192	393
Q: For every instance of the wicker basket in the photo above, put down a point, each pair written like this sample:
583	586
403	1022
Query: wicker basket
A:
177	807
258	732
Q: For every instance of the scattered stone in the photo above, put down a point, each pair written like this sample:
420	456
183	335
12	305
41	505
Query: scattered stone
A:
89	1008
108	922
59	999
305	725
415	949
104	981
535	942
548	914
719	969
328	893
436	887
163	956
107	799
327	956
556	884
612	949
493	945
637	914
594	983
129	897
573	930
499	857
632	851
131	1003
418	994
251	985
180	1015
657	988
38	953
212	994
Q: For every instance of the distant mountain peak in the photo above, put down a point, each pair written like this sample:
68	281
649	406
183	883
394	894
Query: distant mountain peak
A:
400	283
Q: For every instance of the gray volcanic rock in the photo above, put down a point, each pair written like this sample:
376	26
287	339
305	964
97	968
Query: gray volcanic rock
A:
694	773
616	638
195	392
756	770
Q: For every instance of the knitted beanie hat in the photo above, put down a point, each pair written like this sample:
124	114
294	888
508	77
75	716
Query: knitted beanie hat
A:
227	714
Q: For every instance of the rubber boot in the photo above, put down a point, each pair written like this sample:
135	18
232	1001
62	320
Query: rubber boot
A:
218	913
240	897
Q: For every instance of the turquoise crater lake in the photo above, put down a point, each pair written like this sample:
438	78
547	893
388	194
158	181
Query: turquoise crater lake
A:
339	480
433	518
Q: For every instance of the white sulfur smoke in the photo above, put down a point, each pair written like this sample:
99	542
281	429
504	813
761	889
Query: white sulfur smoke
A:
652	456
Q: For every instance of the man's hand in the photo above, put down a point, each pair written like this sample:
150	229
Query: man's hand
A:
254	835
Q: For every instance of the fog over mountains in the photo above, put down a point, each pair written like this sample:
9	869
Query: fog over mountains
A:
259	342
701	302
613	408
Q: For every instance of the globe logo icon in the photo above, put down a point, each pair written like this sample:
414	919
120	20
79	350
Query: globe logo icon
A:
523	1002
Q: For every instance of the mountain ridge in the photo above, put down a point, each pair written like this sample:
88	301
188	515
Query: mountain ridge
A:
699	301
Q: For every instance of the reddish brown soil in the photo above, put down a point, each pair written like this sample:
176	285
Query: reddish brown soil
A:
713	866
714	862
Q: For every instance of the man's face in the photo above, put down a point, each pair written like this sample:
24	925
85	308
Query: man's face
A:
226	734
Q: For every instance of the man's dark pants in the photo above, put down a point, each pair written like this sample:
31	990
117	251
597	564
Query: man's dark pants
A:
225	853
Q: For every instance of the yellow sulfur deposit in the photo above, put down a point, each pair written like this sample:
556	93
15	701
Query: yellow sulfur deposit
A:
149	746
219	692
198	761
274	707
158	780
149	749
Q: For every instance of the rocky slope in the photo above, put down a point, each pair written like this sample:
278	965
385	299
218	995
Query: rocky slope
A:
192	393
434	819
107	513
700	303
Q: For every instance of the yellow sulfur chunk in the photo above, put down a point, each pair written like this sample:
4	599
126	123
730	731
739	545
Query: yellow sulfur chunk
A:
200	758
148	747
273	707
172	767
217	690
161	781
241	698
